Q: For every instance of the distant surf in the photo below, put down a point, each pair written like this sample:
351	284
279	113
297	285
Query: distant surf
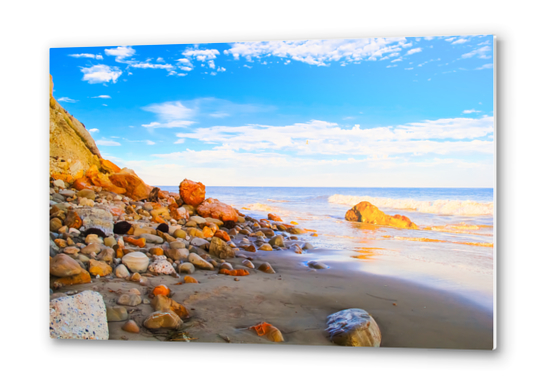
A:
439	207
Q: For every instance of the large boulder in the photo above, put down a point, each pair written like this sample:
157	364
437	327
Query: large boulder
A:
353	327
217	210
100	179
191	192
136	188
96	218
81	316
365	212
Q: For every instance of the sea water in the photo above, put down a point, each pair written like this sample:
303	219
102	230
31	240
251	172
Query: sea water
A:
452	250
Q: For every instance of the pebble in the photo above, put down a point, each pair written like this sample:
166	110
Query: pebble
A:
188	268
130	300
266	267
265	247
121	271
116	313
130	326
317	265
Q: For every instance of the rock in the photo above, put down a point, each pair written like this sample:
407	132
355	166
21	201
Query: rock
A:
63	265
221	249
265	247
82	278
152	238
136	261
179	233
55	224
250	248
268	232
353	327
72	219
198	219
71	250
130	326
167	320
122	227
96	218
308	246
266	267
190	280
130	300
277	241
199	242
191	192
217	210
121	271
194	232
177	254
142	230
116	313
135	188
248	264
92	247
365	212
223	235
87	194
56	295
85	202
67	193
177	245
227	266
99	268
317	265
161	265
297	248
295	230
110	241
59	184
81	316
273	217
187	268
199	262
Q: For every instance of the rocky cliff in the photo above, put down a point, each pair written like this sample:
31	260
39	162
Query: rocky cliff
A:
75	159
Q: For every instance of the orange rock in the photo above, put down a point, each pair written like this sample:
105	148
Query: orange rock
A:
99	268
160	214
164	304
270	216
210	230
222	235
138	242
116	211
72	219
235	272
156	251
265	329
135	188
82	278
159	219
161	290
190	279
163	194
217	210
63	176
108	166
365	212
191	192
130	326
83	183
101	180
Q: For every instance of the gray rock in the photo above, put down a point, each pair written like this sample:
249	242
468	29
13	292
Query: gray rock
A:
187	268
277	241
317	265
199	262
96	218
353	327
81	316
177	254
130	300
121	271
67	192
308	246
199	242
177	244
151	238
117	313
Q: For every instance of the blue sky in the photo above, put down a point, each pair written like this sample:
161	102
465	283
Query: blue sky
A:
379	112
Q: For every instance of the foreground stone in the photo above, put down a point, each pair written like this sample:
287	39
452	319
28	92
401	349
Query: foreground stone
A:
63	265
191	192
116	313
221	249
159	319
365	212
353	327
136	261
81	316
96	218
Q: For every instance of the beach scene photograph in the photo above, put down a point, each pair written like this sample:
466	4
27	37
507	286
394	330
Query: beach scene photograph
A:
332	193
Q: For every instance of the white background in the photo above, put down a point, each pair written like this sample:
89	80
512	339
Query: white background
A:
29	29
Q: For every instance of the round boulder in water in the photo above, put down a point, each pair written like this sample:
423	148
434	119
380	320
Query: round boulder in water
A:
353	327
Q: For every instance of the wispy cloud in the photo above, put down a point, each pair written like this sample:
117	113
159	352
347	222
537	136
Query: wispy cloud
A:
120	53
101	74
87	56
67	100
485	66
413	51
107	143
171	114
94	130
101	97
471	111
481	53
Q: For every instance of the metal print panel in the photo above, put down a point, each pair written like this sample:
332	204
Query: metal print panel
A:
318	192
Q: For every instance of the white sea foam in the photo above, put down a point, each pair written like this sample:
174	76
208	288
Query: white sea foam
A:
441	207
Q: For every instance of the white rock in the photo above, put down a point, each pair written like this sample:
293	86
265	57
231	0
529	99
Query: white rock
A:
199	262
353	327
81	316
136	261
198	242
121	271
59	183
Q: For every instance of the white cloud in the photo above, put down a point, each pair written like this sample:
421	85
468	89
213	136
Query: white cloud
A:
185	68
160	60
320	52
485	66
211	64
105	105
450	39
101	74
101	97
169	124
120	53
391	66
94	130
67	100
471	111
409	69
202	54
87	56
172	110
414	50
221	69
146	65
460	41
396	60
107	143
481	53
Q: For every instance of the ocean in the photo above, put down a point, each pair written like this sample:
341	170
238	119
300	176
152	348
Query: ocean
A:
451	251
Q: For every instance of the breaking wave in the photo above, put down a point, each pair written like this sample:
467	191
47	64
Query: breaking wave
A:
441	207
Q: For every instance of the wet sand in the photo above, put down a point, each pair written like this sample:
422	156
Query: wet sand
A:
298	299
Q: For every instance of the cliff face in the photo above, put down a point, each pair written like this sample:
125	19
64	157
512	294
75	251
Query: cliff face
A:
75	159
71	148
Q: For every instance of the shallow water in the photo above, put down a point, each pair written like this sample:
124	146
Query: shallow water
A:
452	250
